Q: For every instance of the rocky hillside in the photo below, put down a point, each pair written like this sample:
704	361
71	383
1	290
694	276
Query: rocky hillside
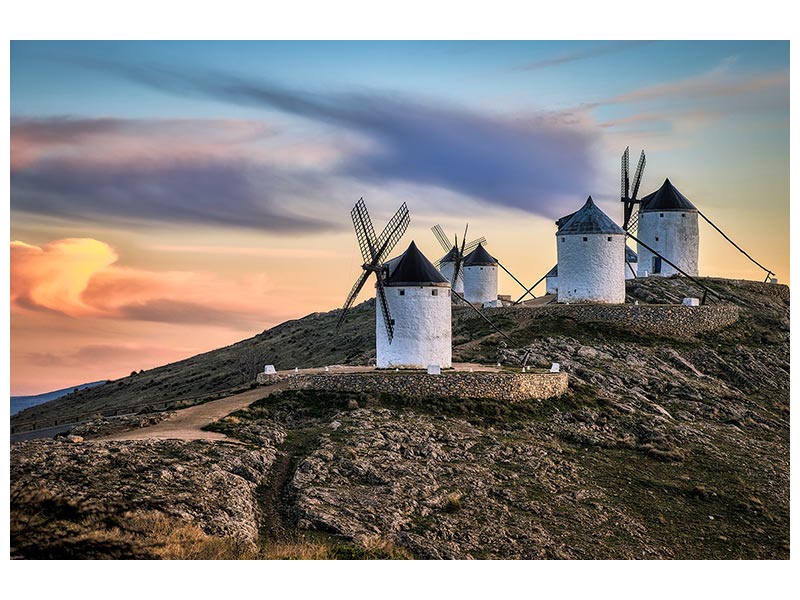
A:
670	447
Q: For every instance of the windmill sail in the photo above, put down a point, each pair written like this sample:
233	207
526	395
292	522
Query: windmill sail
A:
374	250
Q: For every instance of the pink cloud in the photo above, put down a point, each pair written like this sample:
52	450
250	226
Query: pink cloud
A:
79	277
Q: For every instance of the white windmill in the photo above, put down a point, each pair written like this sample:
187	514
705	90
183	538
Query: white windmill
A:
412	298
591	257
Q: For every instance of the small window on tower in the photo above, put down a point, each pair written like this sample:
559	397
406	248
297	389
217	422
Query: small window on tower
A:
656	239
660	214
391	321
563	239
609	238
402	292
434	292
585	239
683	214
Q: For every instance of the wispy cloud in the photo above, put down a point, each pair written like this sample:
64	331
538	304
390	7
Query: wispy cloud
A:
512	161
140	172
578	55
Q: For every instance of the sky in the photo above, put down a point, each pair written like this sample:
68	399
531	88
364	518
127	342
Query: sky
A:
169	198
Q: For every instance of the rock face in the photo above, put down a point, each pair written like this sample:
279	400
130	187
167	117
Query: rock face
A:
662	447
209	485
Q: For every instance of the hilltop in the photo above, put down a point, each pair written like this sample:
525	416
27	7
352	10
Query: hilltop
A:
669	443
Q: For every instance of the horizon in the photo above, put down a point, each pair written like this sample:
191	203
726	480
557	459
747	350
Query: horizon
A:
123	257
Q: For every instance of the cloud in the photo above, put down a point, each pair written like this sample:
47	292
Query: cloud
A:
140	171
79	278
714	84
54	276
107	140
578	55
671	111
106	354
517	162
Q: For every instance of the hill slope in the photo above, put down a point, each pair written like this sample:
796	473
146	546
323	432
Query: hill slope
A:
663	447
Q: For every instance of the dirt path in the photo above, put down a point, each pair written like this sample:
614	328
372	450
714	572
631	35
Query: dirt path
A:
188	423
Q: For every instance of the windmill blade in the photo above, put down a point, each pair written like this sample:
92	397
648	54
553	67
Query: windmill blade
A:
459	259
637	178
625	181
362	279
365	232
391	234
474	244
439	233
387	318
438	263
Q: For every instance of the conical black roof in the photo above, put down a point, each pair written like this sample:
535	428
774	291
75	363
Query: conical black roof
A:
413	268
553	272
667	197
589	219
450	256
630	255
479	256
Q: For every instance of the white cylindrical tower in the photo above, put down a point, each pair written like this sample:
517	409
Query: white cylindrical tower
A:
446	266
418	297
480	276
591	257
631	263
668	224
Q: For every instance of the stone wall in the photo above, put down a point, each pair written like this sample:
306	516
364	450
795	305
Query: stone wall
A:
669	320
513	387
504	386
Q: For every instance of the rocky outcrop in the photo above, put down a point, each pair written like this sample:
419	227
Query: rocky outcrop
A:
210	485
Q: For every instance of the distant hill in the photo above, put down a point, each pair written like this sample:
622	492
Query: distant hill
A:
20	403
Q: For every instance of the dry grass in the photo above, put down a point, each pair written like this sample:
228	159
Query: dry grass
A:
45	525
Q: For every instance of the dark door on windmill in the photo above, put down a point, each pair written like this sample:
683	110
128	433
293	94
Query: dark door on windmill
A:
656	264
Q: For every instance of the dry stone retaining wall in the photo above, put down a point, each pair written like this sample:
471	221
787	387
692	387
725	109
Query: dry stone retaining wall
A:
670	320
513	387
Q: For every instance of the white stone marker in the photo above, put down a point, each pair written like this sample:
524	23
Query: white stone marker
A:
691	302
269	370
434	370
555	368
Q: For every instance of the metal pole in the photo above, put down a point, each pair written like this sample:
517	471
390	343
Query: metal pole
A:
673	265
483	316
528	291
735	245
512	276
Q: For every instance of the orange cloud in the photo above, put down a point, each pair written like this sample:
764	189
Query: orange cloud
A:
79	277
55	276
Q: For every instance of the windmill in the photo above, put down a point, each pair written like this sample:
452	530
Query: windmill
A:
630	199
454	256
374	251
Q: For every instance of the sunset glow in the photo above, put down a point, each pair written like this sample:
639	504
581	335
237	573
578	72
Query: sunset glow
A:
171	198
